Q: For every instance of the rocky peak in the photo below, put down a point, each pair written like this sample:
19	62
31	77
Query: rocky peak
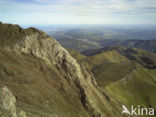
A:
39	44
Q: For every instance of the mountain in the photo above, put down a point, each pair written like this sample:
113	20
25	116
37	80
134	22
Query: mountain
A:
128	74
79	45
149	45
82	38
39	78
83	45
103	32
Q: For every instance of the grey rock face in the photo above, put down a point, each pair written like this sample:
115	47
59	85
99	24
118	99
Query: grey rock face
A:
7	104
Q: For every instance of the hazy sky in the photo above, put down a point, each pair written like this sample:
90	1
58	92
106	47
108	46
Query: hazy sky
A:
78	11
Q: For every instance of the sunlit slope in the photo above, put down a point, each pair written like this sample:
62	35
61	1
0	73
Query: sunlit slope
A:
128	74
136	88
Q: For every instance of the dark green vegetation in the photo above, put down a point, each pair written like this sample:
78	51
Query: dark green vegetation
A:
103	36
128	74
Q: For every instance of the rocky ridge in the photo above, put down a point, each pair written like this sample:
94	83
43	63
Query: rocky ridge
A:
38	44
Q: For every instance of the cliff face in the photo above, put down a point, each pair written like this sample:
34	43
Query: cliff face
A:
47	81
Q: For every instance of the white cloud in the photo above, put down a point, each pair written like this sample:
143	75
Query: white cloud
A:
80	11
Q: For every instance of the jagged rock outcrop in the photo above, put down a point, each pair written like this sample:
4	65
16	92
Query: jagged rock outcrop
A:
7	104
74	79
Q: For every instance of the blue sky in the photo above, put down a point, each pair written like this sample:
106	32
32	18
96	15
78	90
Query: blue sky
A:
78	11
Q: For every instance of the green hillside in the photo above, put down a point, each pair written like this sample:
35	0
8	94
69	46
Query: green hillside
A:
128	74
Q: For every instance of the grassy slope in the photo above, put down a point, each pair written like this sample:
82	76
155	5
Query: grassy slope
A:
10	34
127	74
34	85
137	88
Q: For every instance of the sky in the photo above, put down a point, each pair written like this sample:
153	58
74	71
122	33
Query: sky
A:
34	12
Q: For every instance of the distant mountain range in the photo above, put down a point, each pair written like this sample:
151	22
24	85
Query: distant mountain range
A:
97	37
81	45
149	45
